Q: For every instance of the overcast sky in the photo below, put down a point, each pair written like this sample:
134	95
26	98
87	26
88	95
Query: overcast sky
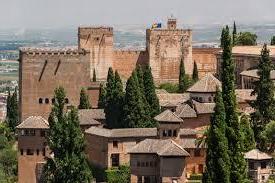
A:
60	13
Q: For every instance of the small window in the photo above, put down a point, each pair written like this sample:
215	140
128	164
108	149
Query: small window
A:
53	100
169	133
44	152
164	134
263	177
147	164
30	152
197	152
175	133
138	164
115	144
151	164
42	133
263	165
210	99
142	164
40	101
46	101
115	160
37	152
21	151
251	165
66	100
200	99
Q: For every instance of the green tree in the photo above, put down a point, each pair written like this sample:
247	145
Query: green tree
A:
247	134
234	34
268	137
272	41
150	92
217	158
12	118
246	39
8	163
66	141
102	97
233	134
183	78
264	104
169	87
84	102
134	113
94	76
195	75
121	174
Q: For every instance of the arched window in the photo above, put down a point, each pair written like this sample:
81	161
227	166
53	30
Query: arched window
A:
53	100
66	100
46	100
40	101
169	133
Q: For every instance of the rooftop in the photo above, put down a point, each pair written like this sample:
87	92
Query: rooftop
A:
168	116
171	99
160	147
34	122
252	50
124	132
97	114
206	84
204	108
185	111
256	154
254	73
190	143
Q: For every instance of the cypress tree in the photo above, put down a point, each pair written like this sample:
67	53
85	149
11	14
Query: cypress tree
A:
66	141
183	78
217	158
247	134
12	118
134	113
235	146
222	37
264	104
94	76
234	34
84	102
102	97
139	72
150	92
272	43
195	75
114	101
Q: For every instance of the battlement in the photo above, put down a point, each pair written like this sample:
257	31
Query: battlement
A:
95	30
52	51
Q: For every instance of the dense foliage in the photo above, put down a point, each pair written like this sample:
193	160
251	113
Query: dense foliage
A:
268	137
264	104
217	158
233	133
121	174
234	34
183	78
12	117
66	141
195	74
272	42
169	87
102	97
84	102
246	39
247	134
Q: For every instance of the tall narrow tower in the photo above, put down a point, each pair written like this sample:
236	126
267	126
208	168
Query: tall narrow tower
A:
166	47
99	41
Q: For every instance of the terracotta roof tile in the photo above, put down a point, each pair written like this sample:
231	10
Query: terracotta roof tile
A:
168	116
254	73
204	108
206	84
86	117
158	146
34	122
255	154
185	111
172	98
97	114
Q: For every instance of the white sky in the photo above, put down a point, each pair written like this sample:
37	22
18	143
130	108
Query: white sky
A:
60	13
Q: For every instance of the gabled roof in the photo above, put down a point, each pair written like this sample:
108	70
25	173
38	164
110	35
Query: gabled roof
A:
34	122
204	108
168	116
255	154
185	111
97	114
172	98
254	73
123	132
160	147
86	117
206	84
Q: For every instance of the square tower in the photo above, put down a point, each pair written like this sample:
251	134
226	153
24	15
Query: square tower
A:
166	48
99	41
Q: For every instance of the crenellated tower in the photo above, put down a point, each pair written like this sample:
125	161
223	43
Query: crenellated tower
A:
99	41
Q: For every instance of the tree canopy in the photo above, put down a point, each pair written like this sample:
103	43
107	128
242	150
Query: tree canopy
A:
246	39
84	102
12	117
272	41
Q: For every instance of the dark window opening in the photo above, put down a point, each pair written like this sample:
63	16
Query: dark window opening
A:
29	133
151	163
197	153
169	133
147	164
115	144
66	100
138	164
37	152
210	99
263	164
44	152
21	151
139	179
175	133
30	152
42	133
251	165
53	100
115	160
46	100
40	101
164	134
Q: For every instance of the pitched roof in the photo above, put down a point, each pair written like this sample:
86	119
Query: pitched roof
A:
172	98
86	118
160	147
206	84
252	50
96	114
254	73
123	132
185	111
188	131
168	116
255	154
204	108
190	143
34	122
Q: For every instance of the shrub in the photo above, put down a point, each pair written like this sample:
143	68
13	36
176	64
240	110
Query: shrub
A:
120	174
169	87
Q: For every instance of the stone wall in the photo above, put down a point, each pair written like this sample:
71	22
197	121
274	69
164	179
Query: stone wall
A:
41	72
126	61
206	60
